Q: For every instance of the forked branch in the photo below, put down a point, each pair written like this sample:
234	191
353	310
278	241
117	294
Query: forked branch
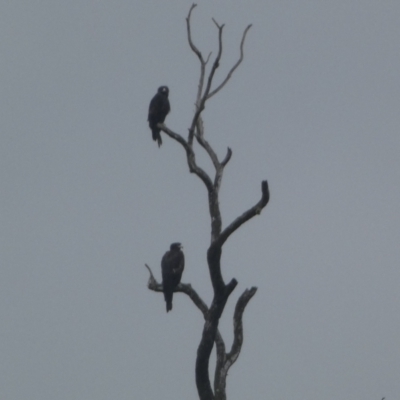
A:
215	91
224	360
224	363
201	97
190	155
186	288
250	213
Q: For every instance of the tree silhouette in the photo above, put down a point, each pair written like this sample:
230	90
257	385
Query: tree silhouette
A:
219	235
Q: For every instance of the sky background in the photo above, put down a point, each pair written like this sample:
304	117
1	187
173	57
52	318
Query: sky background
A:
87	197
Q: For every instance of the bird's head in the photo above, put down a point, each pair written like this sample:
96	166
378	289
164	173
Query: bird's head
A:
163	90
176	246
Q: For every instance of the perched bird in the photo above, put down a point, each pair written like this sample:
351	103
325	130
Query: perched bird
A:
172	265
158	110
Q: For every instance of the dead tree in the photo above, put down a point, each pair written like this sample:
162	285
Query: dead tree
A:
219	235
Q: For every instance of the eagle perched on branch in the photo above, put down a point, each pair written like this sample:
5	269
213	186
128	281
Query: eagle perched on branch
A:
172	265
158	110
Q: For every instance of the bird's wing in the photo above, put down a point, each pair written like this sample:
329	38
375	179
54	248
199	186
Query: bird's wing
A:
166	265
167	106
179	263
154	105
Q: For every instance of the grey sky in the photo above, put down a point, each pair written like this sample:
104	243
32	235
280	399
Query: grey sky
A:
87	198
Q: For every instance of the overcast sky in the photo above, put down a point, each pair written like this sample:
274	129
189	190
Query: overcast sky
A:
87	197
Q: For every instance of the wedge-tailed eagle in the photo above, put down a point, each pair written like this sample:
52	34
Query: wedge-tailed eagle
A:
158	110
172	265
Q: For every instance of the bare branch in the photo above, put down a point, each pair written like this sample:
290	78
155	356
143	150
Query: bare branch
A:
238	324
206	146
202	74
203	65
202	99
215	91
219	390
191	158
188	290
227	157
215	65
217	185
183	288
189	34
216	23
232	356
197	300
194	168
250	213
152	281
218	178
201	84
219	166
175	136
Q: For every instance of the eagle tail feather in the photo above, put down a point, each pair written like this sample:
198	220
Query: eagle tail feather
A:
157	136
168	300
